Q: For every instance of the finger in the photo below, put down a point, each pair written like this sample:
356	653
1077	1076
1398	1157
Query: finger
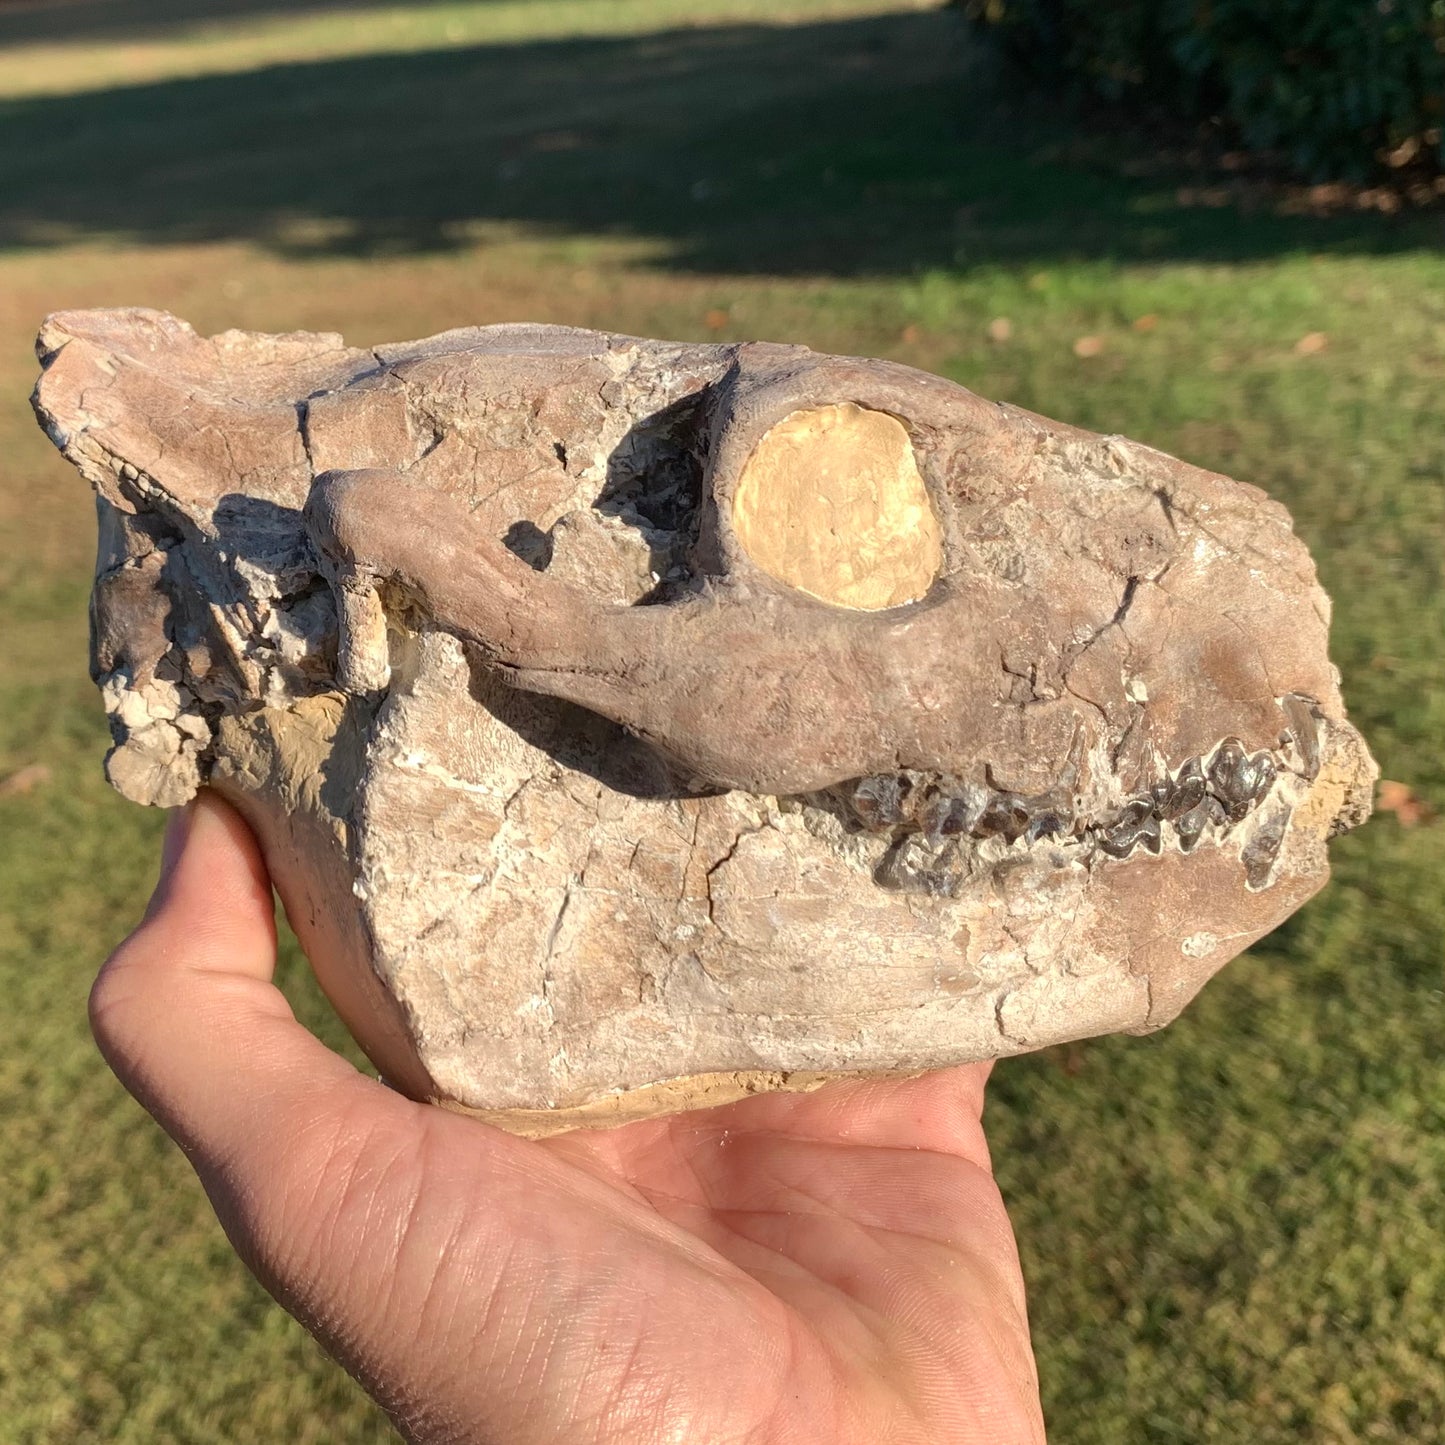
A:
187	999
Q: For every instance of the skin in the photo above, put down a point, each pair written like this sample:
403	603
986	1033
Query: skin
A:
832	1267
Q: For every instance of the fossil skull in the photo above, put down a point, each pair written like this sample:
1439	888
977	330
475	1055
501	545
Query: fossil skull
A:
636	724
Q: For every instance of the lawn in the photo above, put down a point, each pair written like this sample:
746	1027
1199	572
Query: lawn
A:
1231	1230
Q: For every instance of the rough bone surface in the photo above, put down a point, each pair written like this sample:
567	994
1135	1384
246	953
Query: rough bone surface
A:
634	725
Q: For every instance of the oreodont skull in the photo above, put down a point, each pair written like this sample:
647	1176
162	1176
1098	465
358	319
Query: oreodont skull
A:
699	719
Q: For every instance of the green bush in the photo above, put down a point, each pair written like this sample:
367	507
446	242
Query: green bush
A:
1333	86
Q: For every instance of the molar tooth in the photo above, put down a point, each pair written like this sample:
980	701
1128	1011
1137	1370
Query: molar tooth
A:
1187	790
1049	822
1232	778
1192	824
1136	822
908	867
880	801
1004	814
953	813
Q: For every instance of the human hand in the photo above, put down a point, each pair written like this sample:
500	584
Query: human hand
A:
832	1267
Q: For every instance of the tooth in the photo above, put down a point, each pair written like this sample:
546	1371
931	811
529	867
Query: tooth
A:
881	801
1136	822
1231	779
954	813
1259	854
1049	823
1191	826
1187	791
1006	815
1264	772
1304	724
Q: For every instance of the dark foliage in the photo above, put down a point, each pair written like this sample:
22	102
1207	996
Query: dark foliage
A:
1339	89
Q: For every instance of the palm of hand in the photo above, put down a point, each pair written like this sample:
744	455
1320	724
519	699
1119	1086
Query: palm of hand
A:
829	1267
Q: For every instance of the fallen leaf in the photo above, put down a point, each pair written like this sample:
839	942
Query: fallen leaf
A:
715	319
23	780
1381	199
1404	802
1146	323
1073	1058
910	335
1000	328
1088	346
1311	343
1403	153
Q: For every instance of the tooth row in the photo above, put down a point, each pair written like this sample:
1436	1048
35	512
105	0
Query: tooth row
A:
1217	790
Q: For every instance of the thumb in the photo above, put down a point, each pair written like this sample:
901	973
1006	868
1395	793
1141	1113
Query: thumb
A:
278	1127
185	1011
186	1014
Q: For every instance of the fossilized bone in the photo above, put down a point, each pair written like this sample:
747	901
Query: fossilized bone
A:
934	729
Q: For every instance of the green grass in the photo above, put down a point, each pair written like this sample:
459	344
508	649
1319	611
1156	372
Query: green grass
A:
1231	1230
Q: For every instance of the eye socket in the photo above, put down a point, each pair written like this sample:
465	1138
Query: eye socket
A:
831	501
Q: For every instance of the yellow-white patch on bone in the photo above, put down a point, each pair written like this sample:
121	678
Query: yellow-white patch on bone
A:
831	502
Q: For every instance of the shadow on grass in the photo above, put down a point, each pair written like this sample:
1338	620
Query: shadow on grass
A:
875	146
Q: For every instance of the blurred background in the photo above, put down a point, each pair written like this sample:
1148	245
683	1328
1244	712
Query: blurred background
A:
1217	229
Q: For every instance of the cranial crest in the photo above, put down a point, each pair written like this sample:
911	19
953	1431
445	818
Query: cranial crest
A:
633	725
